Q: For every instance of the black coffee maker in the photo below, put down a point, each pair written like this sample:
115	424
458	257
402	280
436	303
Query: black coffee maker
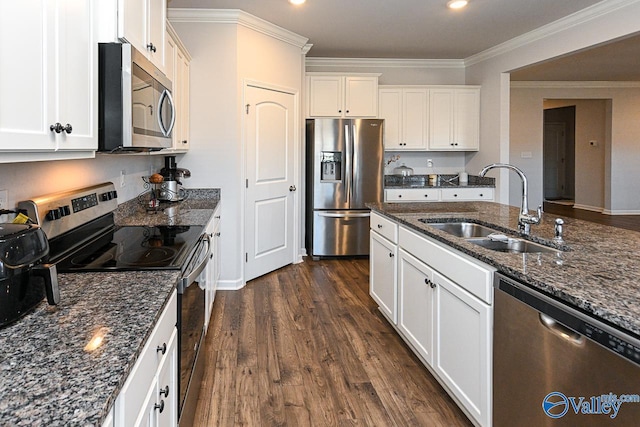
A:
25	277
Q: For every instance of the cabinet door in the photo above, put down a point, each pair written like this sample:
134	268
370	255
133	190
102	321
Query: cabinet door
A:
157	18
441	119
132	23
414	115
416	304
390	109
382	275
77	86
27	104
467	119
326	96
181	88
463	347
361	96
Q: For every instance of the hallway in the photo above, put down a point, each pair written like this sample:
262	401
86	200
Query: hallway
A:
306	346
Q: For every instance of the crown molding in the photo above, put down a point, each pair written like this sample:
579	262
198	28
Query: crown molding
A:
239	17
574	85
580	17
384	63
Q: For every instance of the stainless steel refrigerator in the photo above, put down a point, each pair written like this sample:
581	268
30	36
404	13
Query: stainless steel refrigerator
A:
344	171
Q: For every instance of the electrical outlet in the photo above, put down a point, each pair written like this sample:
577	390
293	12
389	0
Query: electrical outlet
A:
429	163
123	173
4	199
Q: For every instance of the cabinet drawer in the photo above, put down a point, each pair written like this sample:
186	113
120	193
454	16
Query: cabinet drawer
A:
132	395
411	195
467	273
384	227
453	194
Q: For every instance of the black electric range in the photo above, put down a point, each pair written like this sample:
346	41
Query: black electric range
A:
124	248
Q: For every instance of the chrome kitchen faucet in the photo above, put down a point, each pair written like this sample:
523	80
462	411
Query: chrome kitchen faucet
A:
525	219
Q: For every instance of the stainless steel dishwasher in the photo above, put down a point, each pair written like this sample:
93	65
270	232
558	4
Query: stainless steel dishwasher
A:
556	366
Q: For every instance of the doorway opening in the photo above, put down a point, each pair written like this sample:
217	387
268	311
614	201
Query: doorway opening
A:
559	155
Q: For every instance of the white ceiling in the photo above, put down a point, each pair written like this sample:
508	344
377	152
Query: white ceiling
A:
426	29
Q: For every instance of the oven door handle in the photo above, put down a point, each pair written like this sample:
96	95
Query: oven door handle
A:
185	281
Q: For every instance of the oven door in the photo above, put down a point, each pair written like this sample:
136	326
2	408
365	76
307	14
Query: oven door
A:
191	318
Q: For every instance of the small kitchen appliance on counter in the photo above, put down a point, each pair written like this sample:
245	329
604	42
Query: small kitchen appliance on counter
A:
25	277
171	188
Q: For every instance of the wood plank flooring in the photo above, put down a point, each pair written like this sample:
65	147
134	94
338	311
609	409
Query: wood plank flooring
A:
306	346
628	222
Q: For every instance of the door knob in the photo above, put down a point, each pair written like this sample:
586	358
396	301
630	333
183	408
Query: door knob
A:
292	188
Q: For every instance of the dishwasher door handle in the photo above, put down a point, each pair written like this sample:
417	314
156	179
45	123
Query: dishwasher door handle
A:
561	330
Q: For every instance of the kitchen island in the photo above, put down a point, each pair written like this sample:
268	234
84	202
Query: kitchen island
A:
49	373
597	271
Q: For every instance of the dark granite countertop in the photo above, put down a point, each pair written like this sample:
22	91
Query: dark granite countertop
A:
598	274
46	376
443	181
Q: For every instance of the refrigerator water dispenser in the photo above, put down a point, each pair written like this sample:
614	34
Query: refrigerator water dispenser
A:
331	166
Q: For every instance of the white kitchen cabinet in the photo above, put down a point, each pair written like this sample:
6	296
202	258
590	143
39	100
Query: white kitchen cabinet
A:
48	107
463	347
139	401
404	111
457	194
454	118
142	23
416	304
177	66
212	271
466	194
335	95
382	273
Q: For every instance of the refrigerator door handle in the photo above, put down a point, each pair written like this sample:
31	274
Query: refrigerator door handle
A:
344	215
348	164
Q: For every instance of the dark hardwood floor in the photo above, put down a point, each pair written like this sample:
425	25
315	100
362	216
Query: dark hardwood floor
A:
306	346
628	222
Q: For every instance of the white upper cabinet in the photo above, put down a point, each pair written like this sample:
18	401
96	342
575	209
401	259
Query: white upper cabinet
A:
454	119
177	65
333	95
404	111
142	23
48	103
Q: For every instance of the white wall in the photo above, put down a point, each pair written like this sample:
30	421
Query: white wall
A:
225	55
27	180
488	69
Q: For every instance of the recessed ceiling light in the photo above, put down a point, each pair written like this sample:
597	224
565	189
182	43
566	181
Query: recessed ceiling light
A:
296	1
457	4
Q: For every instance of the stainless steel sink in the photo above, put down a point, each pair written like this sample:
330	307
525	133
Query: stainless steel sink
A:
466	230
517	246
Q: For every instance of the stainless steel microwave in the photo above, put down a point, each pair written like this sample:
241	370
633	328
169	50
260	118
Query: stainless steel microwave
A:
136	110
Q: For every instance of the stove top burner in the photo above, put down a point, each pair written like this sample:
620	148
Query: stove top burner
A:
131	248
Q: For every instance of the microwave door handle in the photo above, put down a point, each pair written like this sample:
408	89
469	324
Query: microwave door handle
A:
166	130
185	281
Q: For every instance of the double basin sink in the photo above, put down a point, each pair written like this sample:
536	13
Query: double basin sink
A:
489	238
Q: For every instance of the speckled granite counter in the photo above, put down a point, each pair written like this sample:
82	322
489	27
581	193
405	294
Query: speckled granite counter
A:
443	181
46	376
599	274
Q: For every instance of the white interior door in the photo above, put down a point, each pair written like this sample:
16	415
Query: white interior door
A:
270	136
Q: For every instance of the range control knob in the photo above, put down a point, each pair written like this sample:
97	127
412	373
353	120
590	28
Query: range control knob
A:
54	214
65	210
114	194
105	196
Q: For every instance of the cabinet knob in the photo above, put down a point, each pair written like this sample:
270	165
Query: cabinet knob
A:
391	255
159	406
481	194
164	391
67	128
217	234
347	111
184	141
57	128
429	282
339	111
399	196
152	48
162	348
455	195
292	188
379	225
426	195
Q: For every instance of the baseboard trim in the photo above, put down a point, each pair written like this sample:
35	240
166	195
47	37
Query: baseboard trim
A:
230	285
621	212
588	208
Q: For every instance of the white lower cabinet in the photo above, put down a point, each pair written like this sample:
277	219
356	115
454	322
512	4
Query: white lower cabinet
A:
212	272
149	395
457	194
382	275
417	302
442	307
463	347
